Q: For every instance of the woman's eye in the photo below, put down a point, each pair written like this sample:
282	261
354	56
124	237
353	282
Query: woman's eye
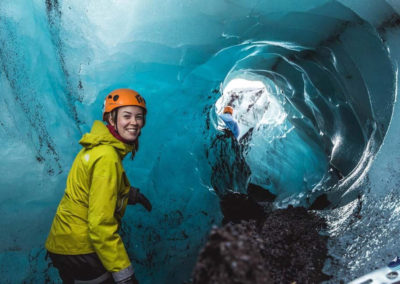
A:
139	117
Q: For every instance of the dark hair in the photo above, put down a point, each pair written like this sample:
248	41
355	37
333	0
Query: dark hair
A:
113	115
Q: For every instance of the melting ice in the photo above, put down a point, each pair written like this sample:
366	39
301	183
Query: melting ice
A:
330	71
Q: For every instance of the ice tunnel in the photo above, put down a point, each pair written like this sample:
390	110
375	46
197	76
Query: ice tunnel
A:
325	121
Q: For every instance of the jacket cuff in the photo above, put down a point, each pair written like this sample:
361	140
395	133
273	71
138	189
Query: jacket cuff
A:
123	274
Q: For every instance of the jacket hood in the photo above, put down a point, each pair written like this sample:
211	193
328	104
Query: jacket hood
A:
100	135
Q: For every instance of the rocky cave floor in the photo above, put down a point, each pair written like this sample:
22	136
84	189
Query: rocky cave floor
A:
255	245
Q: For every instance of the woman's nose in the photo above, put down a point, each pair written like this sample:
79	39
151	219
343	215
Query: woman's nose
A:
134	121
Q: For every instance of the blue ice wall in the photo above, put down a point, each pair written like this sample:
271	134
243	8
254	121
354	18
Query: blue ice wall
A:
333	64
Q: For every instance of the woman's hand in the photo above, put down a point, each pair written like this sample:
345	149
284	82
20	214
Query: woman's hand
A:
136	197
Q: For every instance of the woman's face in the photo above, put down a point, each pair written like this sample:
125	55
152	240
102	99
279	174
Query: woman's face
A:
130	121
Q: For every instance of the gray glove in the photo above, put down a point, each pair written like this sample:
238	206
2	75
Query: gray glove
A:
136	197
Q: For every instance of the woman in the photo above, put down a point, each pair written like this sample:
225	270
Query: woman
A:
83	243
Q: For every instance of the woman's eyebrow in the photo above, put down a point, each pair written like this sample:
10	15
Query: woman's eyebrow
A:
128	112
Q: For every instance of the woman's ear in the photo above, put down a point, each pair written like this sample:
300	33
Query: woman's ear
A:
110	119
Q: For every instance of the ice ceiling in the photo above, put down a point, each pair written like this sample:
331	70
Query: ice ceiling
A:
330	69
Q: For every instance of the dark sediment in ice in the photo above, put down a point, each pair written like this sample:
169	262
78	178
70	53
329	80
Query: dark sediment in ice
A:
283	246
230	171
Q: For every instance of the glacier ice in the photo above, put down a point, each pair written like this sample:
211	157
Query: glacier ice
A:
332	67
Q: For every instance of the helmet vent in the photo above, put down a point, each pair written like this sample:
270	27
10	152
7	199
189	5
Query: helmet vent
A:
115	98
139	99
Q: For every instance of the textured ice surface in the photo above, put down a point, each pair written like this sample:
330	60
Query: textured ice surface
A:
332	68
273	145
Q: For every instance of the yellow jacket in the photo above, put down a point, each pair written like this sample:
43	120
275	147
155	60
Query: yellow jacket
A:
89	214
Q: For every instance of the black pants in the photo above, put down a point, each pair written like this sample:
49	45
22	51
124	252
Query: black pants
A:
81	268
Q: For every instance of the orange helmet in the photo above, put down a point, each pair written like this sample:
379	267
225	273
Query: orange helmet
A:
228	109
123	97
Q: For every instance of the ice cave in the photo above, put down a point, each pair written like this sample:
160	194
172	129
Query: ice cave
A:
314	84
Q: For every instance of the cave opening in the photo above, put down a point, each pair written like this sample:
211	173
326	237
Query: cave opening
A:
281	158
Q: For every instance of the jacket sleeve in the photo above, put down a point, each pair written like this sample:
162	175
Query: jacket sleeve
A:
103	226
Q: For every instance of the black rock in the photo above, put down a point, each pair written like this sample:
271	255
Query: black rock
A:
285	248
237	206
320	203
260	194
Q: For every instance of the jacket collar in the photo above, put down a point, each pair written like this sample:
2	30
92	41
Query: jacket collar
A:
100	135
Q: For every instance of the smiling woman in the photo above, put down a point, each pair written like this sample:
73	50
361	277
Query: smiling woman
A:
84	244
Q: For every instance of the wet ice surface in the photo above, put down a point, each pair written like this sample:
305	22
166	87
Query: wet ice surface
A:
332	67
